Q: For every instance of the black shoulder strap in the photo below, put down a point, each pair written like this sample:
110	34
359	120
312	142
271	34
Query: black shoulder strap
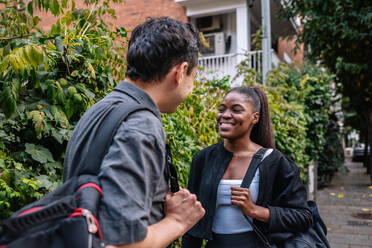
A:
171	172
257	157
247	180
107	130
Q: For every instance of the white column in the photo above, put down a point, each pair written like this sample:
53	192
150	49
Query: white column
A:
266	39
242	31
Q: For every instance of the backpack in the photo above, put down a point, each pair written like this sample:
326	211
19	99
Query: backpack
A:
314	237
63	218
67	216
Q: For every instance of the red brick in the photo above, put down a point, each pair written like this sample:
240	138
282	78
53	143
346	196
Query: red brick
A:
131	13
288	46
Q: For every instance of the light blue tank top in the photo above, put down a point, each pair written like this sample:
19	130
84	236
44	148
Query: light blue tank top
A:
229	218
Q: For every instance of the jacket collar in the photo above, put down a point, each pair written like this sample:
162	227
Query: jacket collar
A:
139	95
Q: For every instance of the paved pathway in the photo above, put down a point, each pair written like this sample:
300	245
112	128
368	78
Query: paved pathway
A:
339	202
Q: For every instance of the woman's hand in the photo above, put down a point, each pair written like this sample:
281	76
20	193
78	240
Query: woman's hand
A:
241	197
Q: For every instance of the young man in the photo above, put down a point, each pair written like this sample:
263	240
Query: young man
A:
136	209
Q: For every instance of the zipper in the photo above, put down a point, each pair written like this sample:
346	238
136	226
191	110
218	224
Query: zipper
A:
92	227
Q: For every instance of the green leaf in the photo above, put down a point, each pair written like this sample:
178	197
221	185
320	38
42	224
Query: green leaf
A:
64	3
30	56
36	20
39	153
13	62
37	118
75	73
91	69
30	8
26	56
45	182
59	116
54	8
9	97
37	54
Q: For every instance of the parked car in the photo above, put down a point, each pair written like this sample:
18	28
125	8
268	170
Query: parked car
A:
358	153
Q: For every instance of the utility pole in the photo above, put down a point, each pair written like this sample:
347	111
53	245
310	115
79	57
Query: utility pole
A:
266	39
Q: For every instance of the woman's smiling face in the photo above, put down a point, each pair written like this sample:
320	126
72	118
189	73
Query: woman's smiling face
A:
236	116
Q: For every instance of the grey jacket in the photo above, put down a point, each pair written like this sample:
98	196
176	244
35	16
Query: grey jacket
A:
132	173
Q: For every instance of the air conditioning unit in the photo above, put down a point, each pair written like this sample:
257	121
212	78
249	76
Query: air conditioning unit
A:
208	23
216	43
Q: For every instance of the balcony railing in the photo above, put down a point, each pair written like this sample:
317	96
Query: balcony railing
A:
222	65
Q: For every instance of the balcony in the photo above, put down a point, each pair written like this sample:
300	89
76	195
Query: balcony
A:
218	66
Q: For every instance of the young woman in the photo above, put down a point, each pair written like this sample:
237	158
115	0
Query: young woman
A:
275	200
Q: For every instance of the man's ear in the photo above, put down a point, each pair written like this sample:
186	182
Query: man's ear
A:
181	70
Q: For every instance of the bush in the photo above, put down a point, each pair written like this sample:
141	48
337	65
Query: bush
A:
47	81
332	158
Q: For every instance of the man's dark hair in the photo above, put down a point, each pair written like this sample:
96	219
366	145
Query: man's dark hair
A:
159	44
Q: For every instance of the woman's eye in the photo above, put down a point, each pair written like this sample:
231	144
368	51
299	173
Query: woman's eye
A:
221	109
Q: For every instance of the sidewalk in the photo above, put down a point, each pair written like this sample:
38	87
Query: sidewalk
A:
345	205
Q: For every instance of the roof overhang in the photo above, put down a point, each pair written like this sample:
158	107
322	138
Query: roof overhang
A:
197	8
279	27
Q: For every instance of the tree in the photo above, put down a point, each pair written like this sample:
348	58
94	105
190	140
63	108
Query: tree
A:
48	79
339	35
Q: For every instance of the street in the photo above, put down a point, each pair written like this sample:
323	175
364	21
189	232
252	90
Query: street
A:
345	205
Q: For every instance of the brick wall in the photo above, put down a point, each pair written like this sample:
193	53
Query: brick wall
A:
287	46
132	12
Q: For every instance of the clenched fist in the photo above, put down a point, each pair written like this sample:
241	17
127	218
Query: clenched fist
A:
184	208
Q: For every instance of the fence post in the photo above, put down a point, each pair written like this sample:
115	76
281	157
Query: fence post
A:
266	39
313	181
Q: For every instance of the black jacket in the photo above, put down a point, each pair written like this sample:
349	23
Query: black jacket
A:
280	189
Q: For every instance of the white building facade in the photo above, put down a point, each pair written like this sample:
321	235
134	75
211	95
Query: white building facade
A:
227	26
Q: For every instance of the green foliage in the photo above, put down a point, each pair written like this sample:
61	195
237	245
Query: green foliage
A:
339	33
332	158
311	89
48	79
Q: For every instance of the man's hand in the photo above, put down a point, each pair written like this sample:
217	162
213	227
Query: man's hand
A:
183	208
